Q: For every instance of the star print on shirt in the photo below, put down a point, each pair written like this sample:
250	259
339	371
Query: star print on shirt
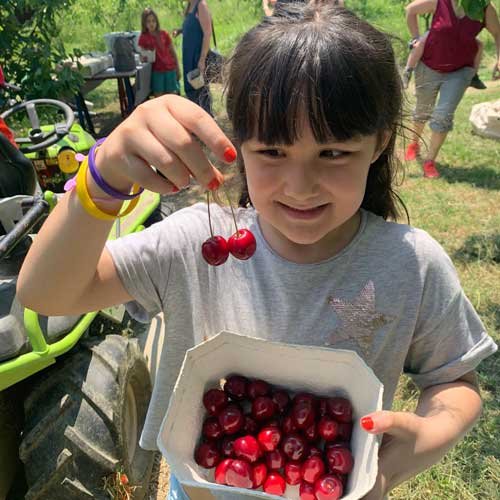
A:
358	319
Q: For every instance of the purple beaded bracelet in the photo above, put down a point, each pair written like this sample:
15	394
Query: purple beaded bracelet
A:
98	179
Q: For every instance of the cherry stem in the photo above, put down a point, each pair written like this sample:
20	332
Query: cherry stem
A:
232	210
209	219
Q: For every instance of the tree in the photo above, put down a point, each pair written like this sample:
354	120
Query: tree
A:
31	51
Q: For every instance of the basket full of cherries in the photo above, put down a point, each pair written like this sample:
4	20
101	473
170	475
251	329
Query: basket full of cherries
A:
272	420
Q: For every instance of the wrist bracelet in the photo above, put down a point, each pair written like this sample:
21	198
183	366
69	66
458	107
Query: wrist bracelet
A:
98	179
88	203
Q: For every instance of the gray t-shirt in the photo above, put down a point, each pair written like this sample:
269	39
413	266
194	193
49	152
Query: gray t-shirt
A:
392	295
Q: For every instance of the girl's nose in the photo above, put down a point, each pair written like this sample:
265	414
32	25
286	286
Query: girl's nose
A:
300	182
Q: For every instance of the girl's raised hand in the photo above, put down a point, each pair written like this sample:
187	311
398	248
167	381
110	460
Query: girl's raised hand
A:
164	133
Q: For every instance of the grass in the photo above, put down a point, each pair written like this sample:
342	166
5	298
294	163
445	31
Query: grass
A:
460	210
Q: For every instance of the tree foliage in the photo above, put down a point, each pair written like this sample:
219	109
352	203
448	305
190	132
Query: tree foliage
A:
31	50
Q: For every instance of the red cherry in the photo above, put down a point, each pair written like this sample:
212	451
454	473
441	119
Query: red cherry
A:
307	397
259	474
282	400
275	459
340	409
227	446
258	388
306	491
312	469
231	419
214	401
328	428
247	447
274	484
239	474
207	455
294	447
345	431
242	244
311	432
303	414
269	438
328	487
292	473
263	408
249	426
236	387
289	425
211	428
215	250
339	460
221	470
337	444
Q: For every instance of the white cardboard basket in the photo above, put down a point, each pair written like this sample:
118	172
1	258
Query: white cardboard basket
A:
321	371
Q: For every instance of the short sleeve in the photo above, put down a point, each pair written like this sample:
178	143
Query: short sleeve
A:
145	42
168	40
141	270
450	339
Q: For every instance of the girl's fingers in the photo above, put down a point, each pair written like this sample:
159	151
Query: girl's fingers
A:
166	162
198	122
175	139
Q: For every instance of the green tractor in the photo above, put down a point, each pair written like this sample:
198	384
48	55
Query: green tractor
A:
72	405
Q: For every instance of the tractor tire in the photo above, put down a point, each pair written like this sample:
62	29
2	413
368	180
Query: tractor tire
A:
83	419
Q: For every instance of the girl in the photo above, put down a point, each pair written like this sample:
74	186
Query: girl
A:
165	76
314	98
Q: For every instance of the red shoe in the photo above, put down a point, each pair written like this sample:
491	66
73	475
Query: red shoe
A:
430	170
412	151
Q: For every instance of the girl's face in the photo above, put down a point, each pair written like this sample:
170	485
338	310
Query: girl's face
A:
308	194
151	23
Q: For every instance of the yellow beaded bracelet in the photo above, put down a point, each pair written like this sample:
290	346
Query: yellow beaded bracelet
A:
88	203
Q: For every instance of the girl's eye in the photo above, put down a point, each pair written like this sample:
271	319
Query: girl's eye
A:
333	153
273	153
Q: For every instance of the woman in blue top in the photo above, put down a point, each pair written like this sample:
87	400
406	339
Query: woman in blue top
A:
196	30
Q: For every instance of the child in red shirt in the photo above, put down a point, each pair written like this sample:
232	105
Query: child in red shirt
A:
165	76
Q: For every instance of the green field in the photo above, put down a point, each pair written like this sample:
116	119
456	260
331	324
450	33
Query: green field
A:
461	210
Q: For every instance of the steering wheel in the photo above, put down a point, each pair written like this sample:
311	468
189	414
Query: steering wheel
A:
38	139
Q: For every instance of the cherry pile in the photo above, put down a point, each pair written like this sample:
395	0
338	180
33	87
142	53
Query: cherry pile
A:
259	436
240	245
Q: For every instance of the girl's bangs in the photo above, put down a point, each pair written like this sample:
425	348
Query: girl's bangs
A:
281	85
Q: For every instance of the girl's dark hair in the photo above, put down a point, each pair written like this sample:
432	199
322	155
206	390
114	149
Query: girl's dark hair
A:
148	11
324	61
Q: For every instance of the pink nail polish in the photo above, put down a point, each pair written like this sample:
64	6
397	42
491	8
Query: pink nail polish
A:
367	423
230	154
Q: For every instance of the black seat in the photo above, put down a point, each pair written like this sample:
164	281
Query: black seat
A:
17	174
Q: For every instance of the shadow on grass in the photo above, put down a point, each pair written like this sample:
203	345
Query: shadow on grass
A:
480	247
480	176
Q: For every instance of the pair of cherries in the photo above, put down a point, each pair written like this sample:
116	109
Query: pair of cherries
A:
240	245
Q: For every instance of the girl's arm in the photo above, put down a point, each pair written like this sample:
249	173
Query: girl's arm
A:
414	442
493	26
67	270
418	8
265	7
174	55
206	25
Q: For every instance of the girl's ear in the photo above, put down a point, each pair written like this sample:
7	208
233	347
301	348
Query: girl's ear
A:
385	138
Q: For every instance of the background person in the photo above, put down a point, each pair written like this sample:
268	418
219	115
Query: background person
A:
165	74
196	32
445	70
